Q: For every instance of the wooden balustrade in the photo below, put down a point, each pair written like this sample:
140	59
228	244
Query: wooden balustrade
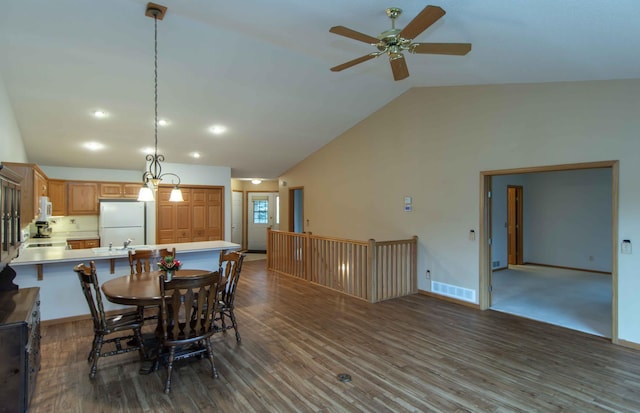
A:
370	270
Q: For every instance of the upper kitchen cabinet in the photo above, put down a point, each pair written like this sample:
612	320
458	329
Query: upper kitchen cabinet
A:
34	185
119	190
58	196
82	198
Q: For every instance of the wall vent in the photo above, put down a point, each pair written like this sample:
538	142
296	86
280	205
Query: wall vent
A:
449	290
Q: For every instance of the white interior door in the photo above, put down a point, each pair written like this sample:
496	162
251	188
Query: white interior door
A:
262	214
236	217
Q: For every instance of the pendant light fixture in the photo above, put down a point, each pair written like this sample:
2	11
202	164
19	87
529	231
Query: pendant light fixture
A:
153	175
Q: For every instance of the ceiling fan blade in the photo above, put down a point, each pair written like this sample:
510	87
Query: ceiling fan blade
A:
459	49
352	34
424	19
399	68
354	62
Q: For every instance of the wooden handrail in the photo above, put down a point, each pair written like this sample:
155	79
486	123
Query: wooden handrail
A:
370	270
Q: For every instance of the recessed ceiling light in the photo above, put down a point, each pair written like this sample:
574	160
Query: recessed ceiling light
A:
195	155
147	151
256	181
217	129
99	114
93	146
163	122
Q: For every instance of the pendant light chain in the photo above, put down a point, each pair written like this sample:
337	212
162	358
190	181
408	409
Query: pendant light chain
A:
153	175
155	80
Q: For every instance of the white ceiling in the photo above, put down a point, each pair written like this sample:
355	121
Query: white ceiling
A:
262	69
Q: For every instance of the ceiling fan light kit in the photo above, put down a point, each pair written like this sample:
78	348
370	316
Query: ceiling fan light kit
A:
394	41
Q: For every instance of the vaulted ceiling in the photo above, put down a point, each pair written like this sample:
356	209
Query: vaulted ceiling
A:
261	69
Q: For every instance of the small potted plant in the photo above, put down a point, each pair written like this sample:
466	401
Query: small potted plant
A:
169	265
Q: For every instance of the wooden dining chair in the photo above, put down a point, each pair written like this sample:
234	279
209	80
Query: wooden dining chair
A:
145	261
104	326
230	265
187	311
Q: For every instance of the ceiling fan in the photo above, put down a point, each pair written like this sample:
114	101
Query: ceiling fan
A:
394	41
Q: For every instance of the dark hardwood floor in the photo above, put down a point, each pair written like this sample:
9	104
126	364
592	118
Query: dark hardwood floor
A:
414	354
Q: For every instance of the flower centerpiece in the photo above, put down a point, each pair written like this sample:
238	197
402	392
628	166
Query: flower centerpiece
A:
169	265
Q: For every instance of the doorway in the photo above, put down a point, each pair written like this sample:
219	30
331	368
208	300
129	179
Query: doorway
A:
236	217
487	238
262	212
514	225
296	208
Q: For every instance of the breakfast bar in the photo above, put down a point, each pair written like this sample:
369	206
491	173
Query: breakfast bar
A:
60	293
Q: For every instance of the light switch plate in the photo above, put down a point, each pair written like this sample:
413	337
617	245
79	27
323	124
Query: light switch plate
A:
625	247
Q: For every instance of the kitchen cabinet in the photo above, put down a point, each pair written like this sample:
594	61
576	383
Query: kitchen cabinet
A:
10	220
82	198
173	219
206	214
199	218
79	244
119	190
57	190
19	347
34	185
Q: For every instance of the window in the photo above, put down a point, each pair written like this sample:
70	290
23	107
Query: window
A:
260	211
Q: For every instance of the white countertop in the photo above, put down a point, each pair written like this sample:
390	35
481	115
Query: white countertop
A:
30	256
64	236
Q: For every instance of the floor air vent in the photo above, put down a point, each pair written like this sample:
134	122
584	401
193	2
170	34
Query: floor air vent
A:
460	293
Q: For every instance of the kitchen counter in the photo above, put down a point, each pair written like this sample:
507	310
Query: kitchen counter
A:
61	297
48	255
63	237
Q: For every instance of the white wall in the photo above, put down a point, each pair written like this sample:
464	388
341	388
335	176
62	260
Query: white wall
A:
432	144
11	145
568	219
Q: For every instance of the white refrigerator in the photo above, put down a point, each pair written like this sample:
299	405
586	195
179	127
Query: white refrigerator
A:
121	220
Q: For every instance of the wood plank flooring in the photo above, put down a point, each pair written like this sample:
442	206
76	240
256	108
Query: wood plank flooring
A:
413	354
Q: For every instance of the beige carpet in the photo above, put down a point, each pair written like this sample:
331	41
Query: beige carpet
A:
574	299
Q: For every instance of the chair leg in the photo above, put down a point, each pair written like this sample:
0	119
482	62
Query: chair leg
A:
93	348
234	323
96	355
167	385
214	372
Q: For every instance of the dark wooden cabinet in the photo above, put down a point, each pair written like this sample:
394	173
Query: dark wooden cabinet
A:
10	216
19	347
34	185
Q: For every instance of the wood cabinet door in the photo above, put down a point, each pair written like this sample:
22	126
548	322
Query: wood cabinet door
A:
57	190
214	229
131	190
91	243
110	190
83	198
75	244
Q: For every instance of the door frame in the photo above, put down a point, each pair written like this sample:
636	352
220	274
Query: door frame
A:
292	205
515	237
485	229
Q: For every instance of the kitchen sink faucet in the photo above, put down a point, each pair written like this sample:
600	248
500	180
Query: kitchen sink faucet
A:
127	242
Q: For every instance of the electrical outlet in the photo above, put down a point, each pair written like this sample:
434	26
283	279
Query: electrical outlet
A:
626	247
428	275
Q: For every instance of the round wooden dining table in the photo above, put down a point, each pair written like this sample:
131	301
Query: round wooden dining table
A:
141	289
